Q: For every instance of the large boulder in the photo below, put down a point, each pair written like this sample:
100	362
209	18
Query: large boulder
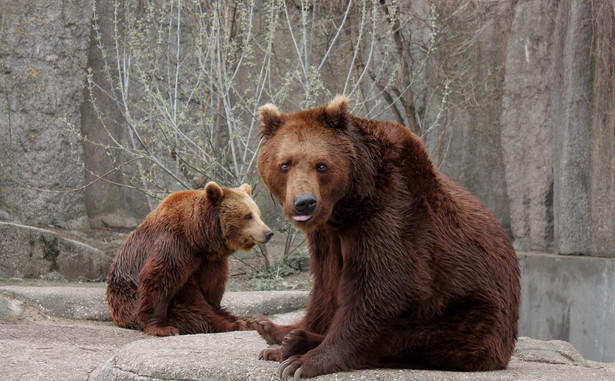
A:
28	252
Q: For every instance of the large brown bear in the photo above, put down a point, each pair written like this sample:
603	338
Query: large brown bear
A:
169	276
409	268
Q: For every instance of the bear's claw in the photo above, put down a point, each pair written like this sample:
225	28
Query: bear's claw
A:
272	353
290	367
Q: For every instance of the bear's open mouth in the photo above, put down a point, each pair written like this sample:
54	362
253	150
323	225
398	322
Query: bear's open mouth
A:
302	218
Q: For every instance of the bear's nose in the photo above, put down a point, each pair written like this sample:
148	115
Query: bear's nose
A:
268	235
305	203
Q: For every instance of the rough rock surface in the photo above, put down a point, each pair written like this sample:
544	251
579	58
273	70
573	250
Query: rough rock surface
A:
38	345
28	252
43	55
88	302
572	118
527	137
234	356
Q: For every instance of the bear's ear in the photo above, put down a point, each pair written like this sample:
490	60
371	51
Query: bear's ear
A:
246	188
270	119
336	112
213	192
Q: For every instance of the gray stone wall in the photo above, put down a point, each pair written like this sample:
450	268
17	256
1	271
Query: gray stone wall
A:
534	146
539	150
527	126
571	121
602	139
107	204
43	55
557	139
473	155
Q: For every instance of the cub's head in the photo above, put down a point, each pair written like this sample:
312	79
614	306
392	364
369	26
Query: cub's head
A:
240	218
306	160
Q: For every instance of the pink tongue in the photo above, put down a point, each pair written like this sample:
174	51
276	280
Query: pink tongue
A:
301	218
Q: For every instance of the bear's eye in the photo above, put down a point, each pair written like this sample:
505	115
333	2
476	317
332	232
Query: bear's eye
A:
285	167
248	216
322	168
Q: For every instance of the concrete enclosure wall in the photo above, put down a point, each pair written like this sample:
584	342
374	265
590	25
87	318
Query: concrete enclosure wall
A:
569	298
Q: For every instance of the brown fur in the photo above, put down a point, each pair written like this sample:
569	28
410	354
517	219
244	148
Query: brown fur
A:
169	276
408	267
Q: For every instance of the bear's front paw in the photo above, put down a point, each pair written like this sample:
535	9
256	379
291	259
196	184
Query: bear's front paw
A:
161	331
312	364
246	324
296	343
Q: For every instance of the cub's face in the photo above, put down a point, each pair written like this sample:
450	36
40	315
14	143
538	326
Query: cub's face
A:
240	218
306	162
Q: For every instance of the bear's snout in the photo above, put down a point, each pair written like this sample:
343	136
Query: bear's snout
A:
305	204
262	235
268	235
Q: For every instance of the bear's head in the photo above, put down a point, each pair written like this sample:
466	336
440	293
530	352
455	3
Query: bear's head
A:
306	160
240	218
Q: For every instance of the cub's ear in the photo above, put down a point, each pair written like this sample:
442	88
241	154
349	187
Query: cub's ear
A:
270	119
336	112
246	188
213	192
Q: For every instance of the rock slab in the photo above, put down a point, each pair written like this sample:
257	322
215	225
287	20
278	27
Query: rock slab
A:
234	356
64	345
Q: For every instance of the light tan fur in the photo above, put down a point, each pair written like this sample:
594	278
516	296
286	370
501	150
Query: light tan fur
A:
268	111
339	104
237	205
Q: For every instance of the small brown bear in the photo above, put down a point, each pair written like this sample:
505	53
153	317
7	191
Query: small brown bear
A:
169	276
409	267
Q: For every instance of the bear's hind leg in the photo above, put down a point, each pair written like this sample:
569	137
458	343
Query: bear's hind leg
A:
121	298
198	316
160	330
473	339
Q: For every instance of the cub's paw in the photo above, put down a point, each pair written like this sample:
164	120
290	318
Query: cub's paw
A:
267	329
161	331
271	353
246	324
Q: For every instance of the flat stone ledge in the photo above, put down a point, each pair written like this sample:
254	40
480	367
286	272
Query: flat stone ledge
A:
234	356
88	302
